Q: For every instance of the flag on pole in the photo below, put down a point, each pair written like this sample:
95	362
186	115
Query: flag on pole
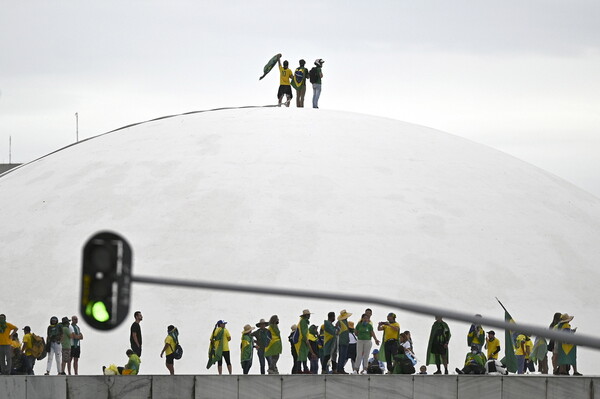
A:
510	360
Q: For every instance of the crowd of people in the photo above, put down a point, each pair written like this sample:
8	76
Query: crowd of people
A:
327	348
62	344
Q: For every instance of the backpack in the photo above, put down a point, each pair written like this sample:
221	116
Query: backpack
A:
314	75
295	336
38	347
178	352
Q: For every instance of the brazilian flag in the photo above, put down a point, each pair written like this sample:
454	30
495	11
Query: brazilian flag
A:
510	360
299	79
567	353
270	65
274	346
215	351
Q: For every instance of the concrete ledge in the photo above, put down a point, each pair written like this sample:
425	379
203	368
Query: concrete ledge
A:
296	386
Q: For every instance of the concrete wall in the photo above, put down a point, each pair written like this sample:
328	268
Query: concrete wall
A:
297	386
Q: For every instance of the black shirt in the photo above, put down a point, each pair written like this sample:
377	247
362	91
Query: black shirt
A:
135	328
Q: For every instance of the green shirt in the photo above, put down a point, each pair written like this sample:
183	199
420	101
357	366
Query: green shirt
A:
262	337
66	337
133	364
364	330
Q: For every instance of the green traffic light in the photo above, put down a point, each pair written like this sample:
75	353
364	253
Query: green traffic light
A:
98	311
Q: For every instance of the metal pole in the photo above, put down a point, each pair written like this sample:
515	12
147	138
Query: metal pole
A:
528	329
77	126
9	150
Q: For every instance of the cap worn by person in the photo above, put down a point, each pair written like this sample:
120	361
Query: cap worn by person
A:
375	351
344	315
392	315
65	320
26	328
221	322
247	328
492	332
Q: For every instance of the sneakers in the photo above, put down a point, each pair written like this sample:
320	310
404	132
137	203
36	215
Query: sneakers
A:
47	373
458	371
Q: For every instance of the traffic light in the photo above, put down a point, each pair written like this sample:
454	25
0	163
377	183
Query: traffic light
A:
105	281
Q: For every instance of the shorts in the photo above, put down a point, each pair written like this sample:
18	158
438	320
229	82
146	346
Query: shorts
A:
285	89
66	355
171	358
75	352
226	357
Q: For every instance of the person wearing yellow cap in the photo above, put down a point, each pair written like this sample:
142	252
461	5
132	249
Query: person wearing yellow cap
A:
391	339
567	353
343	340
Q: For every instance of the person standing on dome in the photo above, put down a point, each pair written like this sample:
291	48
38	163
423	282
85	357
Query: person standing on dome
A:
391	339
316	74
492	344
135	334
343	340
476	335
285	88
328	331
53	339
6	330
437	350
274	347
262	337
299	83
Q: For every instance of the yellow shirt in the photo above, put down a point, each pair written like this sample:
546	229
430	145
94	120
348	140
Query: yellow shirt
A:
27	342
16	344
520	345
5	336
528	348
491	348
285	75
171	347
389	332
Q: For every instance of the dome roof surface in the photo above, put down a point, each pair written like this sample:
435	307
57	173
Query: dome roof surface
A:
319	200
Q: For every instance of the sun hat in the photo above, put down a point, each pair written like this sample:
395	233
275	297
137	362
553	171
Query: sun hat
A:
344	315
566	317
305	312
247	329
262	322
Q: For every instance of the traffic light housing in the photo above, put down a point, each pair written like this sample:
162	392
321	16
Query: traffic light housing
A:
105	280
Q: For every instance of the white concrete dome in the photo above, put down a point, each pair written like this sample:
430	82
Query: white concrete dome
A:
321	200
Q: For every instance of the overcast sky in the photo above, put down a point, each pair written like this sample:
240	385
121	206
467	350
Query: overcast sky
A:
520	76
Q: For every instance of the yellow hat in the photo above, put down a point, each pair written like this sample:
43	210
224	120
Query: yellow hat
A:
344	315
247	329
